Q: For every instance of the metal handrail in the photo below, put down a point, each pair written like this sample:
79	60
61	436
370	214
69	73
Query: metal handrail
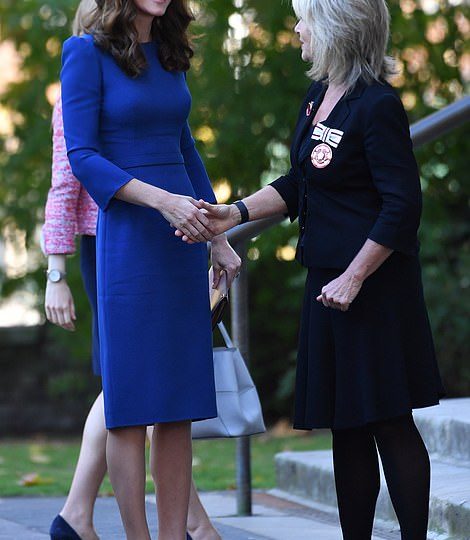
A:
433	126
250	230
422	132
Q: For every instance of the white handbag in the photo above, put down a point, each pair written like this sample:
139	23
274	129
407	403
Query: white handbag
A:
238	405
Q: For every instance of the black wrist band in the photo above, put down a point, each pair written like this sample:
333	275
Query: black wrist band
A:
243	211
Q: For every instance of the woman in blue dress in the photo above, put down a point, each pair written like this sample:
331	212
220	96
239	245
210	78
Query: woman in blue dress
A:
125	108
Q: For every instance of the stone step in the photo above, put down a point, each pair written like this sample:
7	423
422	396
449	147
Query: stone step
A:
445	429
310	476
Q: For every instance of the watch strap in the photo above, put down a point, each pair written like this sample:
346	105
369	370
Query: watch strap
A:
243	211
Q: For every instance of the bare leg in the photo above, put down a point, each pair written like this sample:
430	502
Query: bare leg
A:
89	473
125	452
171	461
199	525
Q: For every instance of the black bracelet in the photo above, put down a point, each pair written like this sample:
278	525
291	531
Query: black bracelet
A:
243	211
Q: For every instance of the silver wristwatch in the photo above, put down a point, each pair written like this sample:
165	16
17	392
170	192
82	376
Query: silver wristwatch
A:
54	276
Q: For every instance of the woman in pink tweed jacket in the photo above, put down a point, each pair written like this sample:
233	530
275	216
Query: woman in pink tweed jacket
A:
70	211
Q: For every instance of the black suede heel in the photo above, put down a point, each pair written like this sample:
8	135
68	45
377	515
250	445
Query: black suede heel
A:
61	530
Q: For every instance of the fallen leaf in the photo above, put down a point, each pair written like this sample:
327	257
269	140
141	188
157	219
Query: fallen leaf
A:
34	479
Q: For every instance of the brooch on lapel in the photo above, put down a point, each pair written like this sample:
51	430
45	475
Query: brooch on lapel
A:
322	154
308	112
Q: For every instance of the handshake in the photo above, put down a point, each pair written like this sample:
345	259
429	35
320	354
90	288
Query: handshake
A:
200	221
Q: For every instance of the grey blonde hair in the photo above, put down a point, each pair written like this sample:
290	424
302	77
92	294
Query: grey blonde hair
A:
349	40
82	16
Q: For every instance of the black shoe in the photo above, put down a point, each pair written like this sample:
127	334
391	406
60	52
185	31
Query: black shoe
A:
61	530
188	537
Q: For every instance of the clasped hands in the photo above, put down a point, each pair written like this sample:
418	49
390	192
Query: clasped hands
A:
198	221
218	218
203	221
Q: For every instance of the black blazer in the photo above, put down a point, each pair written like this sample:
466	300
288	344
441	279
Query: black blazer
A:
356	178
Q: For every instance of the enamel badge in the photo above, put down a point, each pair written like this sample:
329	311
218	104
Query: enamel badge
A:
321	156
308	112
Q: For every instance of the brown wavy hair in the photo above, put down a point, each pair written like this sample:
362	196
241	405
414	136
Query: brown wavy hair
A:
113	29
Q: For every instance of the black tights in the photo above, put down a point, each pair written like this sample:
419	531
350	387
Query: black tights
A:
406	466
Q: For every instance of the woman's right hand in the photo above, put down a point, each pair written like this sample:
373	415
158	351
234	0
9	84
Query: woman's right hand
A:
222	217
184	214
59	305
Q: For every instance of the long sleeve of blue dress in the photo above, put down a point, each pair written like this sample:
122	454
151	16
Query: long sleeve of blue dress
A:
195	168
81	98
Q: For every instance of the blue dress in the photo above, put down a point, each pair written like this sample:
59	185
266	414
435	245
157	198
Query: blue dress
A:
153	291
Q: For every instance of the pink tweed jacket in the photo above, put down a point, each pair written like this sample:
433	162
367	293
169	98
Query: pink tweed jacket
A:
69	208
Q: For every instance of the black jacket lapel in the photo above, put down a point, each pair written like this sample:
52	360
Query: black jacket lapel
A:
314	96
337	118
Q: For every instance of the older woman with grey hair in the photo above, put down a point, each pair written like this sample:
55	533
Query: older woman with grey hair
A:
366	357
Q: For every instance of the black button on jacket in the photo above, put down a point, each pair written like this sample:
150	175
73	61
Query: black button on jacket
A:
354	178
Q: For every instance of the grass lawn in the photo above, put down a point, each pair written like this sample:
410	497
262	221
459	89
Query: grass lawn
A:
45	467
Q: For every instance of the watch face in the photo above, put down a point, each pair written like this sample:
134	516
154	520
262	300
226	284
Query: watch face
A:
54	276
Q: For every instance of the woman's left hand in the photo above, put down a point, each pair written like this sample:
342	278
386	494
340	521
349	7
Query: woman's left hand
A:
224	257
339	293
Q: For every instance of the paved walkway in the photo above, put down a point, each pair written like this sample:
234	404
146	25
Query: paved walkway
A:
273	519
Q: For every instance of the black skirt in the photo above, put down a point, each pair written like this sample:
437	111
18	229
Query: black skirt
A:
374	362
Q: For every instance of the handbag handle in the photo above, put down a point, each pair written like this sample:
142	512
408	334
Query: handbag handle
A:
225	335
